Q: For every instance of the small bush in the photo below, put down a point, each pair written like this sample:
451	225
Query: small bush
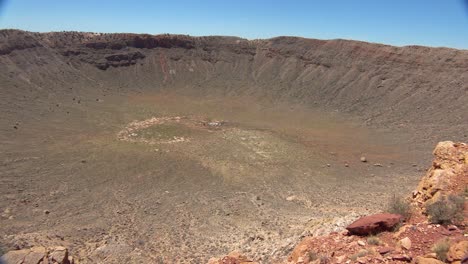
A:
447	210
373	240
397	227
314	256
398	205
324	260
441	248
361	253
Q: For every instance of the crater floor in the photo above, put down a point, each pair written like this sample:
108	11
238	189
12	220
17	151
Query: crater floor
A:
178	178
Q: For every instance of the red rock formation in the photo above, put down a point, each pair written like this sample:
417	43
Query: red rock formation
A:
232	258
413	241
374	224
448	173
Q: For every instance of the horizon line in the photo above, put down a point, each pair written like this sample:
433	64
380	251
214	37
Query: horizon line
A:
245	38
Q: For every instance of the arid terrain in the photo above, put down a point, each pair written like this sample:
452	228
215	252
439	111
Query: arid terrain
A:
131	148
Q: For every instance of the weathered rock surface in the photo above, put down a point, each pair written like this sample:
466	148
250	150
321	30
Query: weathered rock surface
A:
422	260
405	243
301	249
38	255
414	242
458	251
232	258
404	258
374	224
448	173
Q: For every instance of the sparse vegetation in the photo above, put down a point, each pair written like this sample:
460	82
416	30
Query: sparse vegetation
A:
399	205
313	256
441	248
397	227
324	260
373	240
360	254
447	210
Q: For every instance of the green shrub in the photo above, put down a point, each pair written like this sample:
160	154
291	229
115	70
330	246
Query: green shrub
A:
446	210
373	240
441	248
361	253
324	260
314	256
398	205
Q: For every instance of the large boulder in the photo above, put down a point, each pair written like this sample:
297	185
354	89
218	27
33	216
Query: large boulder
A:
59	255
447	174
301	249
37	255
373	224
33	255
14	256
458	251
422	260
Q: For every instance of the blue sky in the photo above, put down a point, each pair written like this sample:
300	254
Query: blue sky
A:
396	22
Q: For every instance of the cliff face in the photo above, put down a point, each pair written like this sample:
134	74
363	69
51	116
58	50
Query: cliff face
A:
379	83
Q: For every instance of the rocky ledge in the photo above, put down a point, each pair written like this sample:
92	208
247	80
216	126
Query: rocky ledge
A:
38	255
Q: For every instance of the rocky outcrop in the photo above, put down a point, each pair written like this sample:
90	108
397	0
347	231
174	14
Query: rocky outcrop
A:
373	224
423	260
412	242
105	59
38	255
447	175
458	252
119	60
115	50
108	41
415	241
17	40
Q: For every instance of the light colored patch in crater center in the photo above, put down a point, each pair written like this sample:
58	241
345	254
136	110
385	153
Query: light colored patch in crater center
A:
167	130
